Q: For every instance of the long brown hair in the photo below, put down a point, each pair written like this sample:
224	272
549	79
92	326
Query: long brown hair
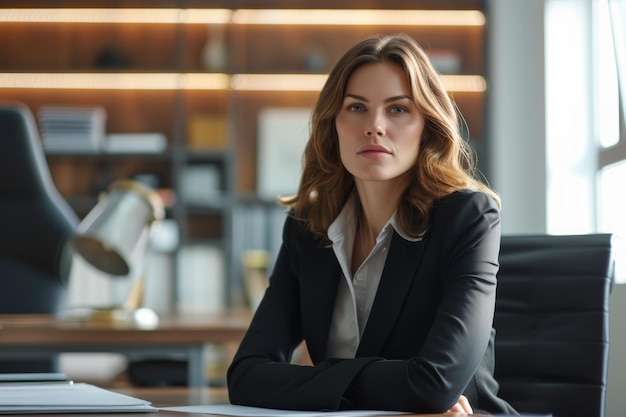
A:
445	163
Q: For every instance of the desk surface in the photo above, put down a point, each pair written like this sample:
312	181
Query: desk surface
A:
35	330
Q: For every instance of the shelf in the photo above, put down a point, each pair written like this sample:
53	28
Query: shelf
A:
148	156
199	81
259	16
206	155
216	206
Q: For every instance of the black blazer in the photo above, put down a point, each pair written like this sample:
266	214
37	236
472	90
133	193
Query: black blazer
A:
428	339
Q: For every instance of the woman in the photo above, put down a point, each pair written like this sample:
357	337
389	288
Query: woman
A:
389	258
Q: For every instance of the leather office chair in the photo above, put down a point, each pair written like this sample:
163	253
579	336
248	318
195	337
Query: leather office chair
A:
35	224
551	321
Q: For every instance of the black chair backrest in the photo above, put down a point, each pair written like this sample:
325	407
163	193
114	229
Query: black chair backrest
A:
35	222
551	321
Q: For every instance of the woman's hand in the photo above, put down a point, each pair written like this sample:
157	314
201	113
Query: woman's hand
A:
462	406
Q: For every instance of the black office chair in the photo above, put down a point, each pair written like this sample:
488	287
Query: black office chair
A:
35	224
551	321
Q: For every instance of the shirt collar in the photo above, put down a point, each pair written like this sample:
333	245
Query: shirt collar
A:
344	225
397	228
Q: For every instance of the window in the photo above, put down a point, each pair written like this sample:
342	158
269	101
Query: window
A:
585	58
570	154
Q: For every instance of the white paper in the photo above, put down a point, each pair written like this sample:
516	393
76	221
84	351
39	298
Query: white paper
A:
243	411
66	398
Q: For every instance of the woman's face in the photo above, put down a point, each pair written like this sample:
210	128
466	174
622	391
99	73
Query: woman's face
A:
378	125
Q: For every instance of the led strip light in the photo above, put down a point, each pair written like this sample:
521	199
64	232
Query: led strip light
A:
247	16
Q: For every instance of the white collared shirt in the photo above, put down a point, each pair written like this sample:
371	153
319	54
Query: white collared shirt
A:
355	295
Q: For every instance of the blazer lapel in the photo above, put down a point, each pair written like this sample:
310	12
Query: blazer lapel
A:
319	282
400	270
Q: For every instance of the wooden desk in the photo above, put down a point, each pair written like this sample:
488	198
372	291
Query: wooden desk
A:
28	336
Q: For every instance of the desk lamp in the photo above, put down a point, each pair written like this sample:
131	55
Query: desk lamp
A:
112	232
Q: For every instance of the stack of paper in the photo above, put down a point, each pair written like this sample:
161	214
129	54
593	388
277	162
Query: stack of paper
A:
22	398
72	129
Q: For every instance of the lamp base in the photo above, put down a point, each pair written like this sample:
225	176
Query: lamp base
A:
109	315
142	317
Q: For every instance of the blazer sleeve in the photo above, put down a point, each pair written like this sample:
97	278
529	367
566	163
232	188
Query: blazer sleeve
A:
261	374
465	242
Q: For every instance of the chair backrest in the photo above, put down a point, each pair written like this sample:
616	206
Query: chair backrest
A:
551	321
35	222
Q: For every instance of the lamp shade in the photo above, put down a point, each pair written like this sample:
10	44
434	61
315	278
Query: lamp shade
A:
111	232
